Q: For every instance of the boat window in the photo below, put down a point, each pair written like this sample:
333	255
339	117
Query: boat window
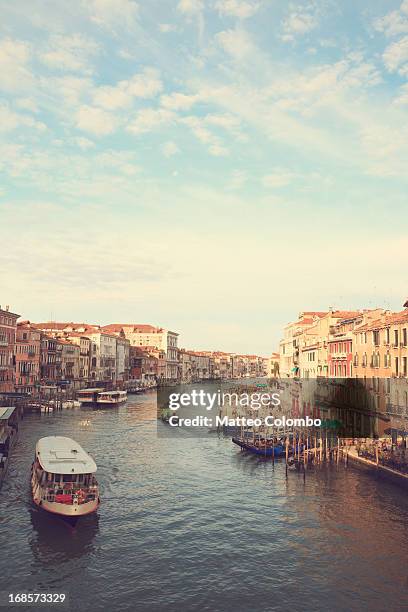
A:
68	478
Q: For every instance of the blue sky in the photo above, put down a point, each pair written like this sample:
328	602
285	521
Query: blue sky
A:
212	166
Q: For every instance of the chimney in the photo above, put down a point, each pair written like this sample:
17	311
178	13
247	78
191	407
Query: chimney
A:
7	308
406	304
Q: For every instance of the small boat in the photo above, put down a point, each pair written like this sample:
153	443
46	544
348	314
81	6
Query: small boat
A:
111	397
97	397
261	448
63	479
70	404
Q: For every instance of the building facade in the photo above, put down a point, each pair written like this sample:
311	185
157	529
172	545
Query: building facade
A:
27	358
8	329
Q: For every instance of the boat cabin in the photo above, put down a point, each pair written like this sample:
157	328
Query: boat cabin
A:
88	396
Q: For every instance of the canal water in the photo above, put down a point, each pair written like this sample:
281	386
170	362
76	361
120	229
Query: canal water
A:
193	524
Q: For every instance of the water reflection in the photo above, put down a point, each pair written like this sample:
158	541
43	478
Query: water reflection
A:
54	541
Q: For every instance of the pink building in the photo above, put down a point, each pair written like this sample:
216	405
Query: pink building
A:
8	326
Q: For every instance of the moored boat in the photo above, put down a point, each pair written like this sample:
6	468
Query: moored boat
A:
88	396
111	397
8	437
97	397
265	448
63	478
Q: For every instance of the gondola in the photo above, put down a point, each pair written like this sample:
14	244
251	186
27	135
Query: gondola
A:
277	450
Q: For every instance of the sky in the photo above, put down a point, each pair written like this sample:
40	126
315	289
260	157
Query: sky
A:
210	166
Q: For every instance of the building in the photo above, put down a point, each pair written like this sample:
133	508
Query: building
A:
122	358
27	358
8	329
274	366
381	346
144	364
50	364
70	360
153	337
85	346
341	340
102	348
103	355
289	345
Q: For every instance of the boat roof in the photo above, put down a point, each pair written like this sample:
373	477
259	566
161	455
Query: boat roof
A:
89	390
60	455
111	392
6	412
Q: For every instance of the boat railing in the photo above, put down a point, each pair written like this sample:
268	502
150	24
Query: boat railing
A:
68	494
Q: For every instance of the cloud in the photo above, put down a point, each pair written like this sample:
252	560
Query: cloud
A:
395	56
198	127
27	104
238	179
149	119
190	7
112	98
95	121
146	84
10	120
170	148
113	14
14	65
70	53
237	8
395	22
179	101
402	97
300	20
193	9
237	43
279	178
83	143
167	27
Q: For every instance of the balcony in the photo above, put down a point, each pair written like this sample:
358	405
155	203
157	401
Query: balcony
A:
4	343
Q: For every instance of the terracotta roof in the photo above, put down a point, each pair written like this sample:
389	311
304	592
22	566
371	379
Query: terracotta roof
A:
380	323
135	327
345	314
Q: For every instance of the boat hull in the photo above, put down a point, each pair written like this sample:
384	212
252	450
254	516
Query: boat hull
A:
275	451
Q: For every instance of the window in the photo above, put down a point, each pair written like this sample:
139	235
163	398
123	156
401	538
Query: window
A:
396	365
376	338
395	337
404	366
404	337
387	335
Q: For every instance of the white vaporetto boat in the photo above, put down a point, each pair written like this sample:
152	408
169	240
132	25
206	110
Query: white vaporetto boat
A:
111	397
63	478
96	397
